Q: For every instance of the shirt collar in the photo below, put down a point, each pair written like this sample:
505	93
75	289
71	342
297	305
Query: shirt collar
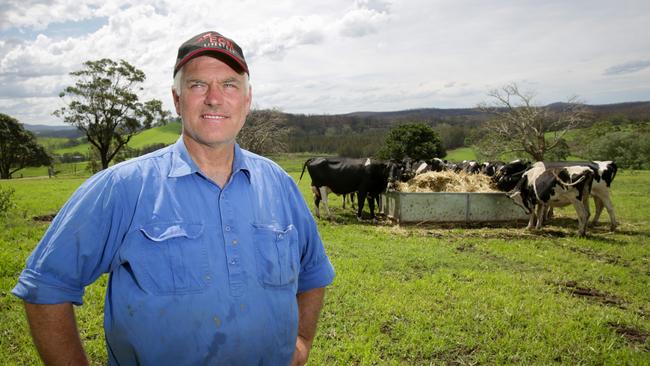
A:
183	164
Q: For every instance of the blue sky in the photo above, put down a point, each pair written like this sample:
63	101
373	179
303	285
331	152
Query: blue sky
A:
338	56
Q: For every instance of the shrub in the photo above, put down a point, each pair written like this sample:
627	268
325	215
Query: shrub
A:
6	199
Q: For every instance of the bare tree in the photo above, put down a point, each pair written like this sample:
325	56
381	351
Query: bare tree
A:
264	132
520	126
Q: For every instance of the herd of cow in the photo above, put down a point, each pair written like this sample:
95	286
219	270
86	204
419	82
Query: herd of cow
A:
535	187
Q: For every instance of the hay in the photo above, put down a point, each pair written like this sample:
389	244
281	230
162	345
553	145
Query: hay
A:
447	181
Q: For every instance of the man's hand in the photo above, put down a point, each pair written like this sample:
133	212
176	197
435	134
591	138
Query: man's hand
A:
309	305
301	353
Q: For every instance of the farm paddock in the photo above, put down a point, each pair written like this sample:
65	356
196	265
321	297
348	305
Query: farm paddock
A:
427	294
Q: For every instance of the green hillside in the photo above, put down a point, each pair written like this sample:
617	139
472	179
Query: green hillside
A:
460	154
167	134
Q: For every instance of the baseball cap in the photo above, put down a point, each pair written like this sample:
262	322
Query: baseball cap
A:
215	45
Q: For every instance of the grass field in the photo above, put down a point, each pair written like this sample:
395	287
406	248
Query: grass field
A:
422	295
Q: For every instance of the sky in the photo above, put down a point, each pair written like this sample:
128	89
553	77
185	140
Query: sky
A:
335	56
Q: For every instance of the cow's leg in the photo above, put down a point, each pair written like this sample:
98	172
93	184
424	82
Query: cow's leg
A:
531	220
317	199
541	212
371	206
361	197
549	214
603	200
583	217
324	191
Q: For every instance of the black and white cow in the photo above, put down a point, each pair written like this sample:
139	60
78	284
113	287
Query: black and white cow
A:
604	173
469	167
542	187
507	176
490	168
365	177
433	165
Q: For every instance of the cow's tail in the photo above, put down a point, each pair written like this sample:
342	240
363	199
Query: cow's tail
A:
568	184
303	168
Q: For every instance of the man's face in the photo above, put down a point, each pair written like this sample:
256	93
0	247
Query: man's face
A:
214	101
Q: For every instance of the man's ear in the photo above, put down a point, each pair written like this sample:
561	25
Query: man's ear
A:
250	99
176	99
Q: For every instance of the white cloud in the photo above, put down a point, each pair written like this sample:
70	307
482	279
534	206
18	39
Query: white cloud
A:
367	18
338	56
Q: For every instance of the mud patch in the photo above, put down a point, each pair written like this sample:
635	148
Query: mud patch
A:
606	258
590	294
459	355
631	335
44	218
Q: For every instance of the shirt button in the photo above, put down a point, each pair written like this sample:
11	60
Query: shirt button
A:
233	262
234	242
227	228
280	236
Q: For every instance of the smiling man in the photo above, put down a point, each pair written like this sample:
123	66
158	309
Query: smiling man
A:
213	255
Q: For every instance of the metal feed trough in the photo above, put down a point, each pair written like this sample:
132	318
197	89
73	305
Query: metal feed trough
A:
406	207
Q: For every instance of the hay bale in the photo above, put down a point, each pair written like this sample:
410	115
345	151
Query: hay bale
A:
447	181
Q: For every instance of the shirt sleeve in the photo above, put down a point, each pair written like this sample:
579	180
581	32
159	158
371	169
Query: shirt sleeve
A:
316	270
78	246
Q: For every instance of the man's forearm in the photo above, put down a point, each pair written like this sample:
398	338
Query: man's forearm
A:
55	334
309	307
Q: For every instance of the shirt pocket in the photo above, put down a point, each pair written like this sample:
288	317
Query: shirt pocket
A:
276	254
171	258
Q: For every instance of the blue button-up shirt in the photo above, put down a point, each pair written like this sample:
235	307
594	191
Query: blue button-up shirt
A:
198	274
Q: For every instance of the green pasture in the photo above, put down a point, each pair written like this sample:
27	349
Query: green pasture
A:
424	294
460	154
167	134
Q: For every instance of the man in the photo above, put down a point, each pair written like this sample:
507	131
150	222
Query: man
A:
213	255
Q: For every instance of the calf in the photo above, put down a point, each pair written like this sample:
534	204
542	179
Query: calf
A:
541	188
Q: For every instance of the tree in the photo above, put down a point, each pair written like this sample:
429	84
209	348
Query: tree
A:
264	132
18	148
519	126
414	140
103	104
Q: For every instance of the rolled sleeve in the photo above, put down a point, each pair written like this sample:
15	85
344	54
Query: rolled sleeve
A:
78	246
319	275
33	287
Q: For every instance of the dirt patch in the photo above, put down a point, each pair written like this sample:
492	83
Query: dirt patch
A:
631	335
459	355
610	259
44	218
447	181
591	294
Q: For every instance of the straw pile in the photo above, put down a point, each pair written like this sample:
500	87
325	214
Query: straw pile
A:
447	181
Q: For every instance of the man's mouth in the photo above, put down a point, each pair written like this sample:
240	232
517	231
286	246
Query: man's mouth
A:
213	116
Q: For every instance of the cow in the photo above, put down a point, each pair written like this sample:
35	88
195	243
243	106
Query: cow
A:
469	167
507	176
433	165
365	177
604	173
542	187
490	168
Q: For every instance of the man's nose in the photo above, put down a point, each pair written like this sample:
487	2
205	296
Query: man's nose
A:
214	96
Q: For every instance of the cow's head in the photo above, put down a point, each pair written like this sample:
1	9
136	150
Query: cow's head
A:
397	172
520	197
